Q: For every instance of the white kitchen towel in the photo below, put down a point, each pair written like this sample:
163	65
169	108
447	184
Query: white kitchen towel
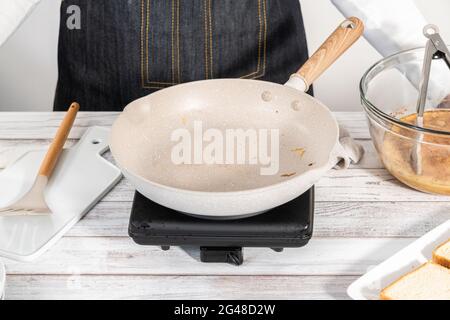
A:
349	151
12	14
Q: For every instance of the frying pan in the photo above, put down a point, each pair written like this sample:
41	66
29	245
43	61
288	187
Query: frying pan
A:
142	139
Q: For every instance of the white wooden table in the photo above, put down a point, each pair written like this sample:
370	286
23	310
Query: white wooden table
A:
363	216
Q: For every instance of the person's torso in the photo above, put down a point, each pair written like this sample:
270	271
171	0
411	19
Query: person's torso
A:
118	51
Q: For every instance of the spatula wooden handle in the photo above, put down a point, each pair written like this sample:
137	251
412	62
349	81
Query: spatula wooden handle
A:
339	41
54	151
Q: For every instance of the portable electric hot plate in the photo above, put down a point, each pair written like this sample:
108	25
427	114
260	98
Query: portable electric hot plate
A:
287	226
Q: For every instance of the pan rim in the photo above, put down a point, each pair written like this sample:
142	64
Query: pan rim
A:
293	180
316	171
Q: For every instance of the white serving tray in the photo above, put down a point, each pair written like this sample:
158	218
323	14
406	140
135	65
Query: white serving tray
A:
369	286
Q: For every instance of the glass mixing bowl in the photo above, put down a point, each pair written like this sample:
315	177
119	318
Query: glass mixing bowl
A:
389	94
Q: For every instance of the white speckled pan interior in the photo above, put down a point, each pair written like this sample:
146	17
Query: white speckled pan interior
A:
141	138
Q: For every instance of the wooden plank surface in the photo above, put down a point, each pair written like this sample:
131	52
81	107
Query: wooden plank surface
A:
43	125
29	125
332	219
352	185
117	255
14	147
176	287
363	215
366	181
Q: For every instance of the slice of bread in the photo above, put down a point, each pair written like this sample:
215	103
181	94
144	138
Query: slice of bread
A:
430	281
442	254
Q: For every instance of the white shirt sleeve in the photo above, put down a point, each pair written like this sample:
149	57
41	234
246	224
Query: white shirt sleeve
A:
390	25
12	14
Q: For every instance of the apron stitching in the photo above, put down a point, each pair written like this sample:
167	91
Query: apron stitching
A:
172	36
206	41
259	43
259	35
153	84
210	40
265	37
208	48
178	41
262	26
142	44
146	83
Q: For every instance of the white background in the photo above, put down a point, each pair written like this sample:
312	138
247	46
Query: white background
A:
28	60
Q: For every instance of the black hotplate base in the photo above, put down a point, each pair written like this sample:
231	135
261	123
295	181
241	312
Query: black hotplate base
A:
287	226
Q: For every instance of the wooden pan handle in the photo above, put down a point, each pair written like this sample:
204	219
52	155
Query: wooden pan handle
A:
339	41
54	151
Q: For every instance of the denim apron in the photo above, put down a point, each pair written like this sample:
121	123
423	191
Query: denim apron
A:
113	52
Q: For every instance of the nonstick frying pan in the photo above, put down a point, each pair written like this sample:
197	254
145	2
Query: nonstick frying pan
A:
142	139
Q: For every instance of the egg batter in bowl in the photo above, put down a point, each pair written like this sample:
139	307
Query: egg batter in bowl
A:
390	91
398	145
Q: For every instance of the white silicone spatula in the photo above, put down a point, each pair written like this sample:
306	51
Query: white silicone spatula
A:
33	201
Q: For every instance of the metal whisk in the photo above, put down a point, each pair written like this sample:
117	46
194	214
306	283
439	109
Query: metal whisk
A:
435	49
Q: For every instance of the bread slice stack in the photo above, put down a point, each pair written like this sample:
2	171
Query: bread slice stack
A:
442	254
431	281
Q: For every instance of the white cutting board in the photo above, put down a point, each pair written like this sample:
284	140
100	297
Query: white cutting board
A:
81	178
